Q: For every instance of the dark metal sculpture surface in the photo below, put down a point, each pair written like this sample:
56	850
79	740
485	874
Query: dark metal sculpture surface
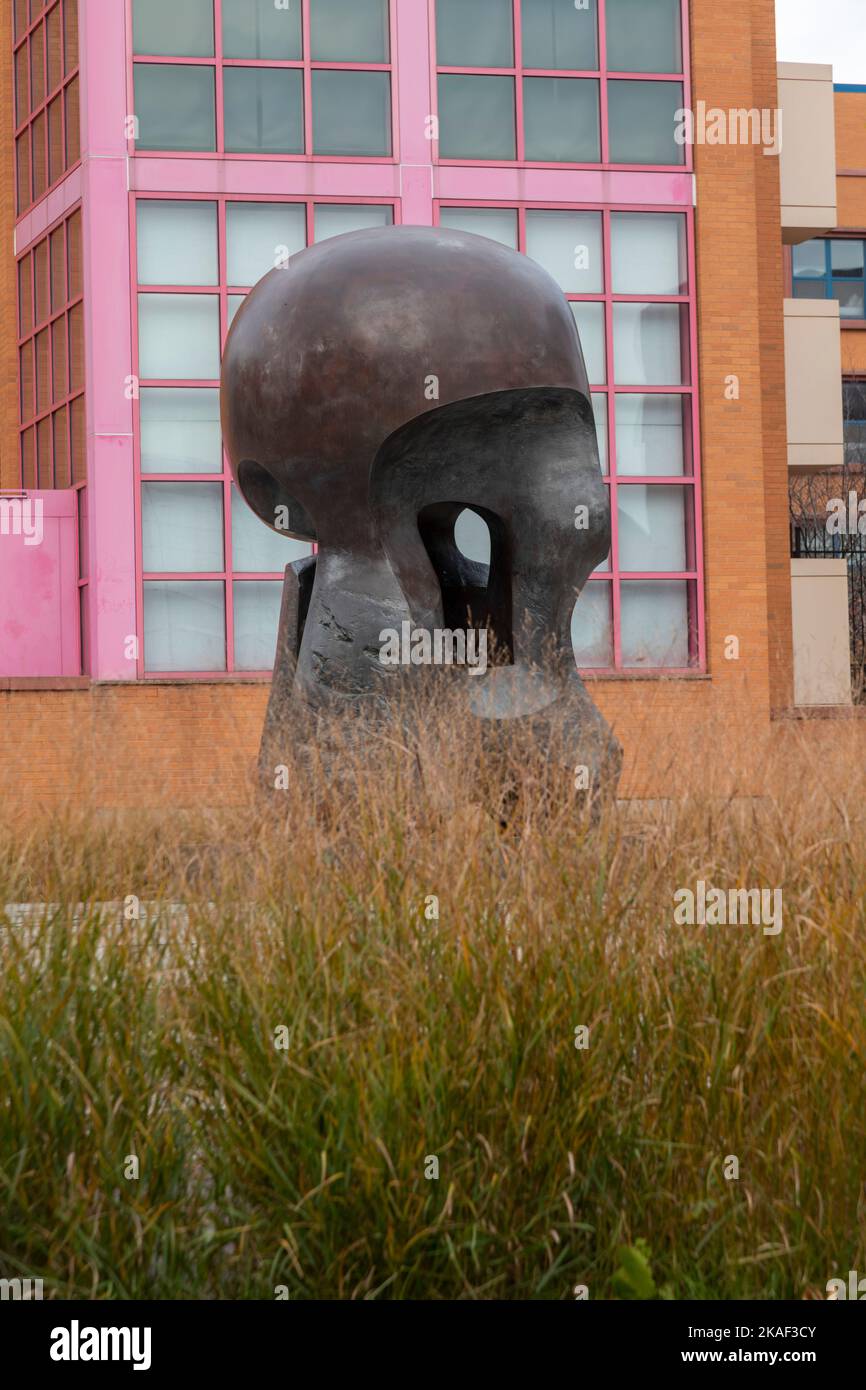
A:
373	389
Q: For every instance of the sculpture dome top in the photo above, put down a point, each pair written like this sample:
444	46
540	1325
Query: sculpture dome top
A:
362	333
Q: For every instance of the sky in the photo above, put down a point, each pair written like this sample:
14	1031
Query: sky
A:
824	31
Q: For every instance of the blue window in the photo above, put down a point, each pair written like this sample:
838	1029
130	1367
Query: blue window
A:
833	268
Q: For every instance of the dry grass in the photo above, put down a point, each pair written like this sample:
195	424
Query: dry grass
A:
412	1037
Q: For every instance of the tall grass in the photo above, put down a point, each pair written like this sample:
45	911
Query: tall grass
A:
149	1028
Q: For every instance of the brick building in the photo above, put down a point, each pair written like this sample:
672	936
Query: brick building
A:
161	153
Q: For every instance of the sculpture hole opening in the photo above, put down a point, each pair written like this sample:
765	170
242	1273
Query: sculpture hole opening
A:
469	550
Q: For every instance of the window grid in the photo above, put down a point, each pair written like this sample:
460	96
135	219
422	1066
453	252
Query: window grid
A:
228	576
218	63
602	74
690	480
831	275
46	96
51	358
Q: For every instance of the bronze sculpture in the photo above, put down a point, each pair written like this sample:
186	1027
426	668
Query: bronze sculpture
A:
374	388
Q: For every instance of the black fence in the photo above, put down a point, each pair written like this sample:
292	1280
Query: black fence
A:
816	543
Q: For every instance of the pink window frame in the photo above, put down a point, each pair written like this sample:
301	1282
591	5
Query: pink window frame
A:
49	96
228	576
602	75
690	481
305	64
29	339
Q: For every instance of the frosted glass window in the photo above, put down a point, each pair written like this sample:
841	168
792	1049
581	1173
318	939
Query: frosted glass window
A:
648	253
809	258
654	623
260	234
846	257
348	31
647	345
178	336
264	110
479	34
652	528
351	112
592	627
568	245
175	106
556	34
590	327
499	224
333	219
649	435
256	549
173	28
182	525
177	242
810	289
257	29
644	36
850	297
256	622
234	303
184	626
472	536
642	121
180	430
560	119
476	117
599	411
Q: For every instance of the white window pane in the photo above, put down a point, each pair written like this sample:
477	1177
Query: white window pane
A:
810	258
180	430
846	257
256	549
561	119
647	345
476	117
477	35
178	336
351	112
654	623
177	242
261	29
234	303
642	118
652	528
644	36
256	623
649	435
499	224
599	410
472	536
184	626
648	251
568	245
261	235
176	28
592	627
349	31
590	327
182	526
175	106
558	34
333	219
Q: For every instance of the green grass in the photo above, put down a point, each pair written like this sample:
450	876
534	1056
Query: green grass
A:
454	1038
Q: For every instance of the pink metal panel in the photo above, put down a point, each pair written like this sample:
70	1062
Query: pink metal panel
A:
111	497
39	584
